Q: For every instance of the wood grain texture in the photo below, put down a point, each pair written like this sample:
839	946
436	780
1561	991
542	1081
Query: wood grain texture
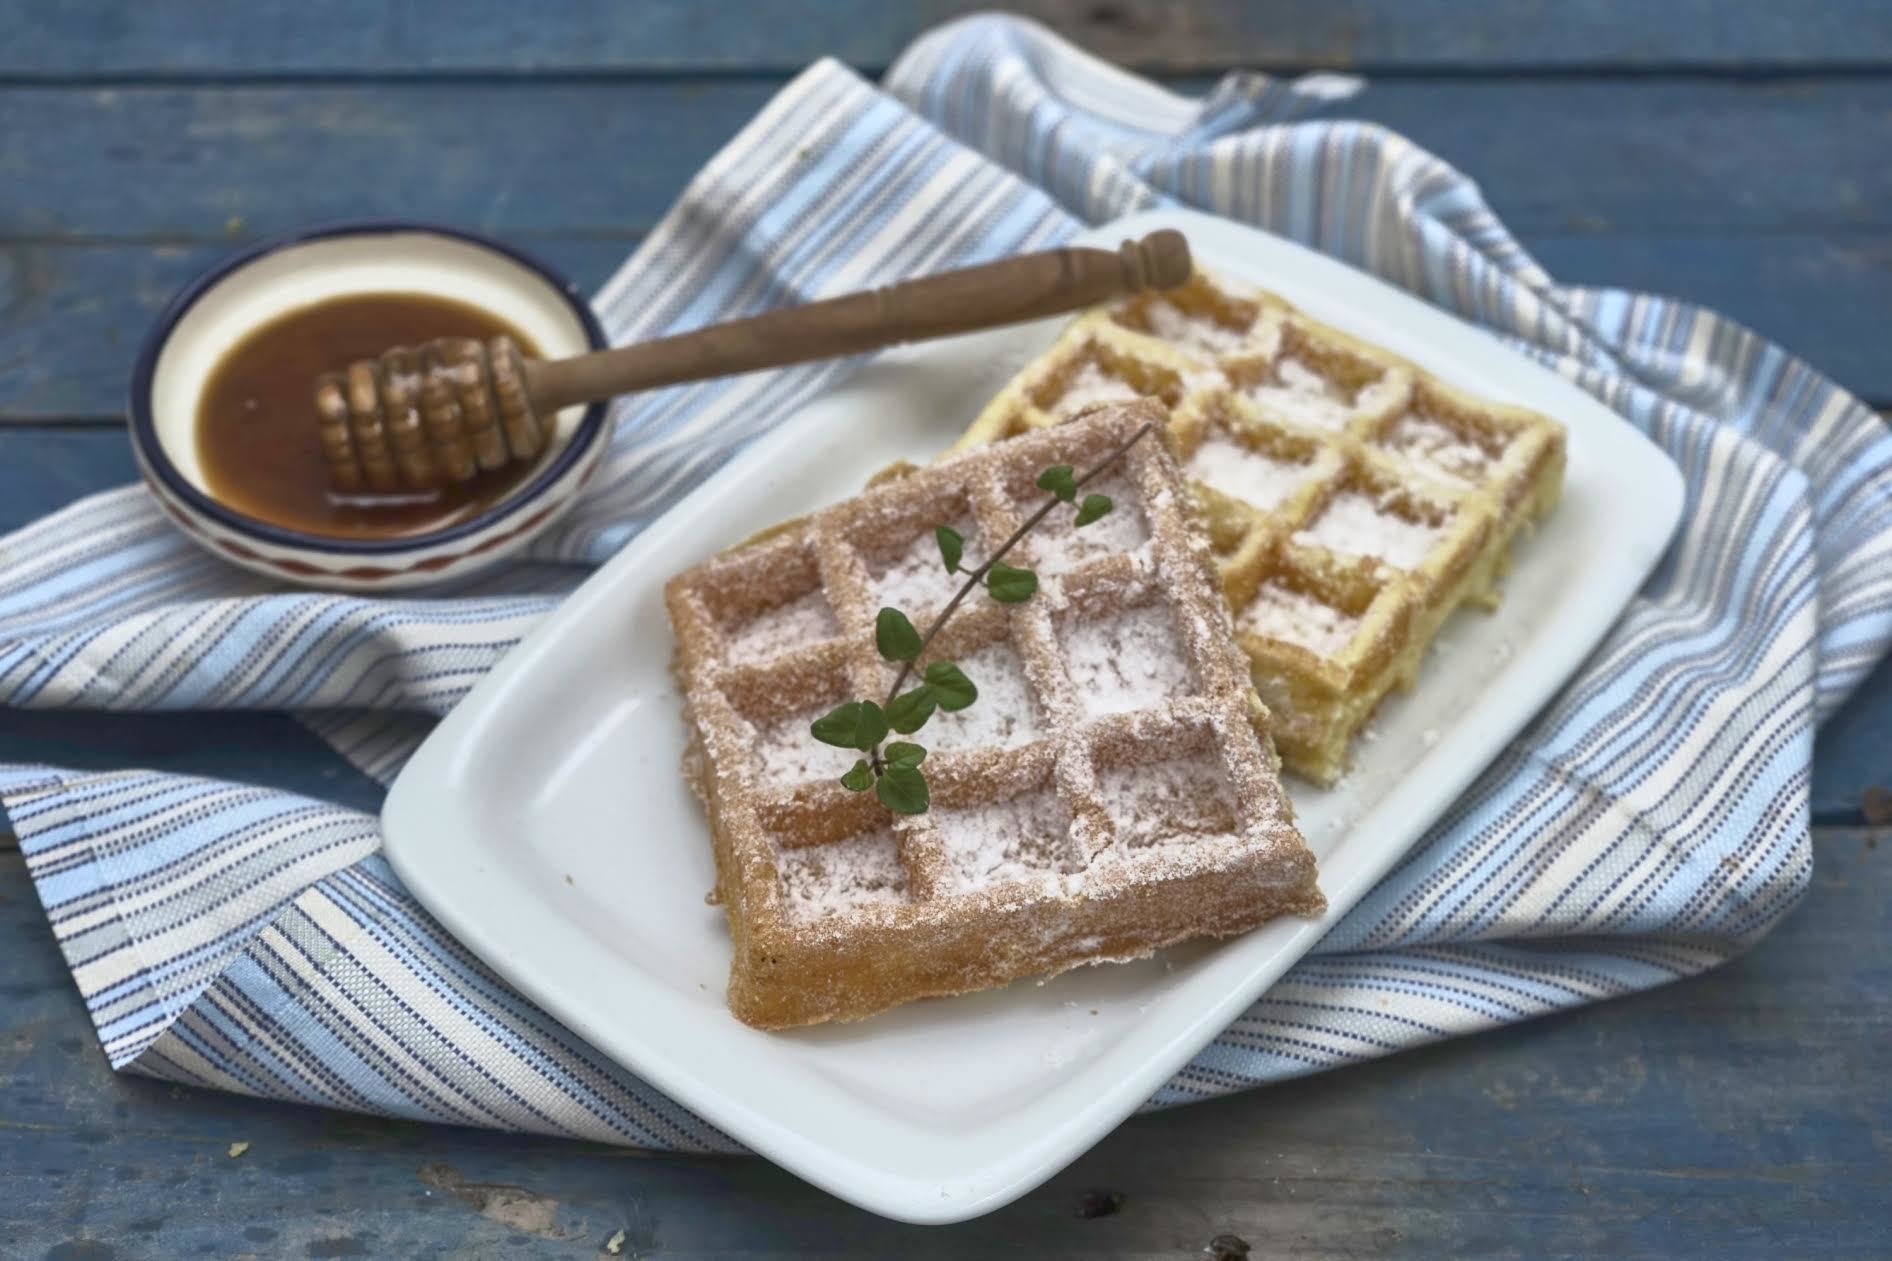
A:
1729	151
347	37
1737	1115
181	163
1820	295
72	315
272	750
1852	762
1763	200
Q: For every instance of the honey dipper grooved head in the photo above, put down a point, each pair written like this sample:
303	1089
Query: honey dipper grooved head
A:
418	418
1159	261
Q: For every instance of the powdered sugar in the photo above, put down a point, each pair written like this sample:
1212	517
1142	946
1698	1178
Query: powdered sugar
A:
787	752
1004	840
972	895
1003	717
1299	393
1089	386
1439	450
917	580
1131	661
1354	524
1382	394
1057	546
1184	800
818	880
800	622
1241	472
1283	613
1189	330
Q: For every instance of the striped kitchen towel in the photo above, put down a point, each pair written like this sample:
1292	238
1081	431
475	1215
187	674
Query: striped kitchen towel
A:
1652	823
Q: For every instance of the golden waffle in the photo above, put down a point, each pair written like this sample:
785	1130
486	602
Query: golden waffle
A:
1112	790
1352	500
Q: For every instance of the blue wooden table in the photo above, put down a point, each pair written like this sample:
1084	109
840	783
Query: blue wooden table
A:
1746	1113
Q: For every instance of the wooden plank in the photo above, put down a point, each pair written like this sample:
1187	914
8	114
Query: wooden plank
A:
606	158
1852	762
46	469
204	163
1817	295
348	37
1682	209
250	748
72	315
1601	155
1737	1115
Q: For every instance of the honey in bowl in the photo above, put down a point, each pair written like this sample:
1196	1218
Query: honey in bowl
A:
260	447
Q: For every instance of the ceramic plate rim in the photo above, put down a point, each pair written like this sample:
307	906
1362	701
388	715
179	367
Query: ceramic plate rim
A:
414	825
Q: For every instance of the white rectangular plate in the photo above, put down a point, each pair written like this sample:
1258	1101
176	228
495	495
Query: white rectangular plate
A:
546	824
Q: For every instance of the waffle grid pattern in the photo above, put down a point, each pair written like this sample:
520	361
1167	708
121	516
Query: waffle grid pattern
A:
1112	791
1352	500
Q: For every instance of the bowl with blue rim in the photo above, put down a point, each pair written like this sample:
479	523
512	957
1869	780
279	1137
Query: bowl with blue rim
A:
211	319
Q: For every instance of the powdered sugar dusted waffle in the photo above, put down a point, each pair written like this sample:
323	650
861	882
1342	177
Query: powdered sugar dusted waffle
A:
1352	500
1112	791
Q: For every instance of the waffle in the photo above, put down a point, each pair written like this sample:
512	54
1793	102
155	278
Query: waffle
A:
1113	790
1352	500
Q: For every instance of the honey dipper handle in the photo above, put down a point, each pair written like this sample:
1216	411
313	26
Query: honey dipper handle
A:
1010	291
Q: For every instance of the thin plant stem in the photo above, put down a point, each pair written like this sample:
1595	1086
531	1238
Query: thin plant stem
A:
974	577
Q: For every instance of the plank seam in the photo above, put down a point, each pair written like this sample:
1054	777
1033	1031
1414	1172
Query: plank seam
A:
1174	75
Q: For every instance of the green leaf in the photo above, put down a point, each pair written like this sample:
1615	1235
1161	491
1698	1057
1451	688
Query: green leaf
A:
860	777
837	726
951	686
873	727
1094	507
902	756
908	712
895	637
1009	585
1058	479
951	547
855	725
903	790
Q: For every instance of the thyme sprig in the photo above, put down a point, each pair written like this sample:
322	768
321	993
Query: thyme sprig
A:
894	772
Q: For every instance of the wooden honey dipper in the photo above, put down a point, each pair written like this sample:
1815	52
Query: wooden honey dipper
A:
421	417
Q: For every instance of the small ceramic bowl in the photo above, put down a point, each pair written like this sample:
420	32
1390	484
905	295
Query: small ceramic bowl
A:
209	318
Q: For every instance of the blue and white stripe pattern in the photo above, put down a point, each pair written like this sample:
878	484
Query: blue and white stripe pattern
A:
1651	824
